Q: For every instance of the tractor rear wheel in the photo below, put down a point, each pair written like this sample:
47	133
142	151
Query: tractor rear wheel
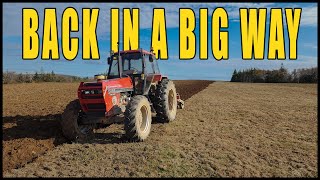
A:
137	123
166	101
71	123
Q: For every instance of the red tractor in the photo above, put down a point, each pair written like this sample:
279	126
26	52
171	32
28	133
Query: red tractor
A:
133	88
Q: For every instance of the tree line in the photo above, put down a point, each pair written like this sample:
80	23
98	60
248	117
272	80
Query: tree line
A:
10	77
281	75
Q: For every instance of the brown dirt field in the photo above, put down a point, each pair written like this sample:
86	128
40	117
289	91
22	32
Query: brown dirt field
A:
31	114
226	130
186	89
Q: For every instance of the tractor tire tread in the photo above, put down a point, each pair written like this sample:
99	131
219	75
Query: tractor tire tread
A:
161	104
69	123
130	118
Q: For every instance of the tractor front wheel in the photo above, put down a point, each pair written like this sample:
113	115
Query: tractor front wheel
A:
71	125
137	123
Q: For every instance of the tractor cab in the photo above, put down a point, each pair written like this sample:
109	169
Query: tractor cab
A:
140	65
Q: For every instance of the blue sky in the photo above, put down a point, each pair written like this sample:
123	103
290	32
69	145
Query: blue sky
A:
174	68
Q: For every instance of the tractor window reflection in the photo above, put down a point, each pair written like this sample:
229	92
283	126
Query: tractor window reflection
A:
131	64
148	64
114	68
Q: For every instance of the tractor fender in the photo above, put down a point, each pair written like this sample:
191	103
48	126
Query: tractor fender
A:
158	77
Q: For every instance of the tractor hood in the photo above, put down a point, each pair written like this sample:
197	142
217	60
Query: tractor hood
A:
102	95
117	85
111	86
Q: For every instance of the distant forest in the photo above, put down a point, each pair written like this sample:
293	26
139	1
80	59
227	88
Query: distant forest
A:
10	77
282	75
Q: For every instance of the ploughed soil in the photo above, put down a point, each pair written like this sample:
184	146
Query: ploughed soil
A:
226	130
31	115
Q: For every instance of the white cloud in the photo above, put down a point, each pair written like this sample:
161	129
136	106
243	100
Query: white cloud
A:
310	45
309	16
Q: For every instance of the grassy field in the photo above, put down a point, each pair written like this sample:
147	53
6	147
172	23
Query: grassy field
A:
226	130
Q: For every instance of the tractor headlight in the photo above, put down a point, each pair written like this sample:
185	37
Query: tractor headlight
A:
92	92
86	92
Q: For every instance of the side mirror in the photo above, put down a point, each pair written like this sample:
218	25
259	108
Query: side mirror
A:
109	60
150	58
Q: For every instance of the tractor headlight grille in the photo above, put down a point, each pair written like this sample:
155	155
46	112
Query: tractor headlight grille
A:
96	91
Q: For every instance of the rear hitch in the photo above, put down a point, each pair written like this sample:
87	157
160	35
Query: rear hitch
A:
180	102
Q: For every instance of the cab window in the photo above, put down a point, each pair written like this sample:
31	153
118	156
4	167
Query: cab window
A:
155	66
148	65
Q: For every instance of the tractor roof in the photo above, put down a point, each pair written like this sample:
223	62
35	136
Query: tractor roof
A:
135	51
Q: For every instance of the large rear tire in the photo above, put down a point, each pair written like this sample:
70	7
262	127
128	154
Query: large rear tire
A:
137	123
166	101
71	126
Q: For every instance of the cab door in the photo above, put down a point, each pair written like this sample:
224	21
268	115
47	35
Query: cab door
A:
149	72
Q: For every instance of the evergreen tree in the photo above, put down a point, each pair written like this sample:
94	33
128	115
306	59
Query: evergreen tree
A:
234	76
36	77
